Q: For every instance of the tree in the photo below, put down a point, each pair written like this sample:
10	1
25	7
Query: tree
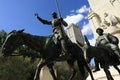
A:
16	68
3	35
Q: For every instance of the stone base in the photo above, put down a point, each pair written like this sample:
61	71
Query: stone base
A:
45	74
100	75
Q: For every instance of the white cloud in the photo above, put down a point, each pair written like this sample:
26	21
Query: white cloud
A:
76	15
92	41
74	18
86	30
83	9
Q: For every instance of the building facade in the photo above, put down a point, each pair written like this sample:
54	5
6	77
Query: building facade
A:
105	14
74	33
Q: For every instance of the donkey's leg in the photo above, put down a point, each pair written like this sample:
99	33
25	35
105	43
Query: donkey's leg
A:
39	66
89	70
115	66
50	66
71	65
81	63
108	75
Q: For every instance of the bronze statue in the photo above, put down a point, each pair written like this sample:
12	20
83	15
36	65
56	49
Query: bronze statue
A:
47	52
57	30
104	57
107	41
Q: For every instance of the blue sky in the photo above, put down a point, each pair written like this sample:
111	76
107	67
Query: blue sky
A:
19	14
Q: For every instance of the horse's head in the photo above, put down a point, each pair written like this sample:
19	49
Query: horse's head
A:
11	42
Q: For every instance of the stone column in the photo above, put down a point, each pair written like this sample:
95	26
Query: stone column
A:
95	21
116	4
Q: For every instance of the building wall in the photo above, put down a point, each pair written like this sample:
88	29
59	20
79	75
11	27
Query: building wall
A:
74	33
96	15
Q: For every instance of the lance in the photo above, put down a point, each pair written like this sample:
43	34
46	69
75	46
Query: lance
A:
58	9
59	14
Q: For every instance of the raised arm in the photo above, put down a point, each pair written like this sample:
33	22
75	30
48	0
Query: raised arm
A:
42	20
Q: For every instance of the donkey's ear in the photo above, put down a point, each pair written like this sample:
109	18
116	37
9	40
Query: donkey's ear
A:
20	31
85	37
86	40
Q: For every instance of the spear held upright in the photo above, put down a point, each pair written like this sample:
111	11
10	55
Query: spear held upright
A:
58	9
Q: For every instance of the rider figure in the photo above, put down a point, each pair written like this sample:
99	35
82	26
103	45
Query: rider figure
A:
57	30
103	40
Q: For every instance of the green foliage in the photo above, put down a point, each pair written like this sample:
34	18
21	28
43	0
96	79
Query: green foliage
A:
16	68
27	52
3	35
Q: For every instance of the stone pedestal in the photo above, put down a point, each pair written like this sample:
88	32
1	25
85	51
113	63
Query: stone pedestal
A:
45	74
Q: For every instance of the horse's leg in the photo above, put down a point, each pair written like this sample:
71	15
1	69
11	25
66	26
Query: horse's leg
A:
81	63
71	65
108	74
81	68
39	66
115	66
36	77
50	66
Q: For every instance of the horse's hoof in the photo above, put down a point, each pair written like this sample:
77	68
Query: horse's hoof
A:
96	70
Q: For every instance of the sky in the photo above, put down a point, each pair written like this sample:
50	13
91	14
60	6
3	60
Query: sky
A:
19	14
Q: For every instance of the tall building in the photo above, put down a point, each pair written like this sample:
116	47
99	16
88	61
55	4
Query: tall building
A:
74	33
105	14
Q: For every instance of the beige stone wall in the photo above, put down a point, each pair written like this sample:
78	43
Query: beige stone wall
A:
96	15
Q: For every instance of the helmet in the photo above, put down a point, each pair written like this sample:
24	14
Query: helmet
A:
99	29
54	13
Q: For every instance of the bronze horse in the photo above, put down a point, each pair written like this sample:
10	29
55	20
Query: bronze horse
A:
49	52
104	57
